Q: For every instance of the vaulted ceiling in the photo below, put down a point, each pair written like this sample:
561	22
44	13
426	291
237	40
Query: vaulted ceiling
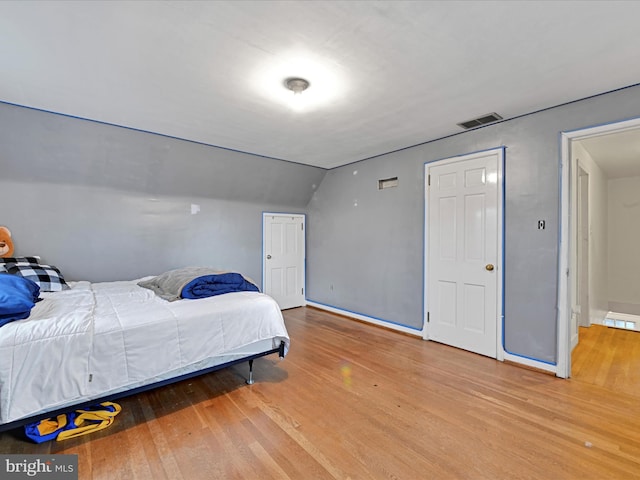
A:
384	75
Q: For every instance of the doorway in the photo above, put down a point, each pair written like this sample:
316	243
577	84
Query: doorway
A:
463	252
594	160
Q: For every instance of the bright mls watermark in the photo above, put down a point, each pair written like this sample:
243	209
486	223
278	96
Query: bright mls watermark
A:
51	467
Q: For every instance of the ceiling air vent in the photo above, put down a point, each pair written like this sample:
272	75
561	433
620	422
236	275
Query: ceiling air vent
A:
483	120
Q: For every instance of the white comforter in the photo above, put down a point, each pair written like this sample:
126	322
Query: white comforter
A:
102	338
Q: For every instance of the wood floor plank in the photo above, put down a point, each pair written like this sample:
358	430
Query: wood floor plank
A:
608	357
355	401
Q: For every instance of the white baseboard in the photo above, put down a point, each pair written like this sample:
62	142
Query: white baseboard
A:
418	333
574	341
365	318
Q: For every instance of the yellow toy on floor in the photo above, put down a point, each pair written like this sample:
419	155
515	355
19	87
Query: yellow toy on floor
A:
73	424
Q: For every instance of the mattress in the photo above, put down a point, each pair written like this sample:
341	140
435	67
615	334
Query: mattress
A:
97	339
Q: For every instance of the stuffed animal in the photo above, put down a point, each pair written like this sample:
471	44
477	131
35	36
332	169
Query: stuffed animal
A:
6	244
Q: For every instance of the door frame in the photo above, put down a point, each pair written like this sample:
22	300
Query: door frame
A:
582	250
500	151
566	277
304	247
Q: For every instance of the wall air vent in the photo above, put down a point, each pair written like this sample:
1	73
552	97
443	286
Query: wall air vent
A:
387	183
483	120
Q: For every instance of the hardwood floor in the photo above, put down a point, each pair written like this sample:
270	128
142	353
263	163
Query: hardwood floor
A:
608	357
354	401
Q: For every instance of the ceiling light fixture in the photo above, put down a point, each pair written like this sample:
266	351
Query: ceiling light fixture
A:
296	85
326	85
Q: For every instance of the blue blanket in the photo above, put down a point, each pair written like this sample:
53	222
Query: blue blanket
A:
18	296
196	282
217	284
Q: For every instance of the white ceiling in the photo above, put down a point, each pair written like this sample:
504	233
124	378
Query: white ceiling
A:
617	154
384	75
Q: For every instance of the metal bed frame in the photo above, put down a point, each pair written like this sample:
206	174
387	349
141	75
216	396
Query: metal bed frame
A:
126	393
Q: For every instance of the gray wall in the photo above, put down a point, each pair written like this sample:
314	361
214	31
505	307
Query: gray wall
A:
365	246
103	202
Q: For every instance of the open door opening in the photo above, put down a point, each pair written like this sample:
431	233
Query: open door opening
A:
600	179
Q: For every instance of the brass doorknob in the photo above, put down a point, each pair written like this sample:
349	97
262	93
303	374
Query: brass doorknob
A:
489	266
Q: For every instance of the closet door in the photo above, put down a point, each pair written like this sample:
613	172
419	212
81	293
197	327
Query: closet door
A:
284	258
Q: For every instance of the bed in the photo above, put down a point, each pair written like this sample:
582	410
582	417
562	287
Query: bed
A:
97	341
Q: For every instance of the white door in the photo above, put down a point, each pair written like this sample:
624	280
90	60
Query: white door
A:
284	256
464	265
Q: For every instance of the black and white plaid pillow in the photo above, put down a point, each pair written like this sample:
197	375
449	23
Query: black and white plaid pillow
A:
47	277
4	261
